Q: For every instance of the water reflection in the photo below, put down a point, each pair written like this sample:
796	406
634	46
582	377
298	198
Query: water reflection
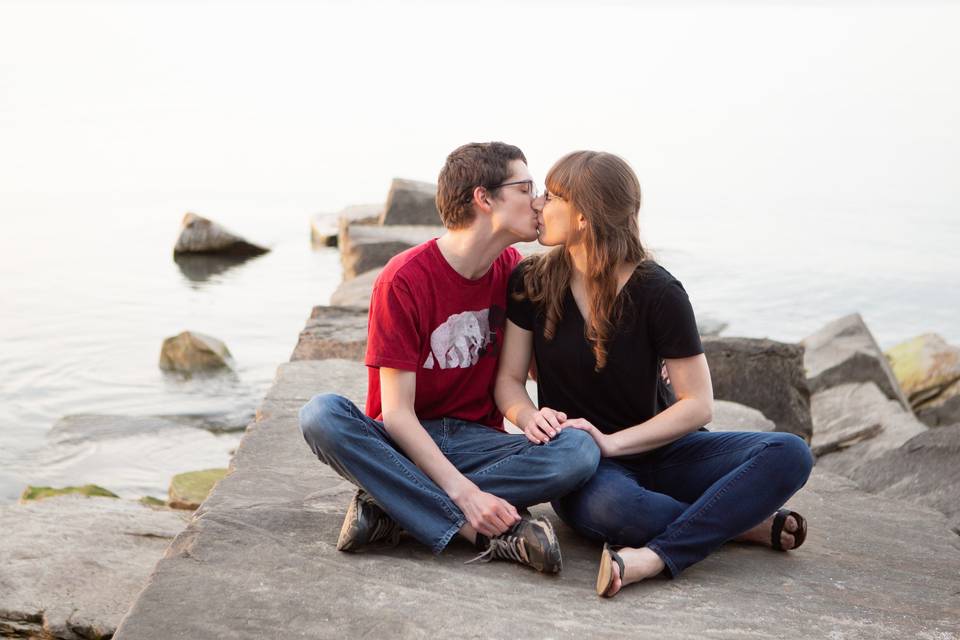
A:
199	268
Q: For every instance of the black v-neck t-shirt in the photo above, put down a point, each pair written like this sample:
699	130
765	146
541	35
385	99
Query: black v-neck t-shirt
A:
657	322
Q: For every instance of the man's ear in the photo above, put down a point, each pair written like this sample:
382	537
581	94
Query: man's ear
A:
481	198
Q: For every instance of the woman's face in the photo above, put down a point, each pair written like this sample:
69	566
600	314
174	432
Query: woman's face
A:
556	219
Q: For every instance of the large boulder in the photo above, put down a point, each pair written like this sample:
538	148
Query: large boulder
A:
857	412
411	202
72	566
200	235
845	351
191	352
928	369
765	375
730	416
325	227
923	470
854	424
364	247
333	332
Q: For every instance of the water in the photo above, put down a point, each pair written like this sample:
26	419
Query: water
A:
798	162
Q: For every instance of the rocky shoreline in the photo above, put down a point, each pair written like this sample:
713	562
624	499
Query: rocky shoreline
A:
258	559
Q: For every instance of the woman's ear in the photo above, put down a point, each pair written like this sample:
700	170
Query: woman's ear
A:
581	222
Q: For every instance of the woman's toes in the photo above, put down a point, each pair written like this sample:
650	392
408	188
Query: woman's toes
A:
617	584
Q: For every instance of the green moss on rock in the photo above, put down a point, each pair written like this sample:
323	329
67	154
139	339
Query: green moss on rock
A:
39	493
189	490
150	501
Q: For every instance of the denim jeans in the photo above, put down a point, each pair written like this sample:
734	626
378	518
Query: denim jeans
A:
506	465
687	498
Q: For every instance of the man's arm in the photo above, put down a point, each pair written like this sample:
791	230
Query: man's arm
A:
485	512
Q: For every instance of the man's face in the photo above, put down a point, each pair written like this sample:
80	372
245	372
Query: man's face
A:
513	205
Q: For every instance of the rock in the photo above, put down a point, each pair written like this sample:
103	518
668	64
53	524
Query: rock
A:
363	248
356	291
847	414
72	566
845	351
730	416
89	490
150	501
333	332
762	374
189	490
924	471
325	227
846	427
200	235
191	352
929	372
260	555
944	409
411	202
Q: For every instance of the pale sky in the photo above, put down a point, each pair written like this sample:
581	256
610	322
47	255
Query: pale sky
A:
325	102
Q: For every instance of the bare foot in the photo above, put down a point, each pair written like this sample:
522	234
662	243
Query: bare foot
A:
638	564
760	534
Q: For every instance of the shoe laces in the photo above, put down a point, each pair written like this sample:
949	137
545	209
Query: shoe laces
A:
504	547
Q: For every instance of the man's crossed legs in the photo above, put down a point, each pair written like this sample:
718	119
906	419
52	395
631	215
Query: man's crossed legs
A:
506	465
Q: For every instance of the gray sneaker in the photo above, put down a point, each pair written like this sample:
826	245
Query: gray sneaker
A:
366	523
531	541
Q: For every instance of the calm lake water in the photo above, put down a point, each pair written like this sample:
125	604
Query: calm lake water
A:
799	162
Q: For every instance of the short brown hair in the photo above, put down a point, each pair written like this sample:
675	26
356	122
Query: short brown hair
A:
477	164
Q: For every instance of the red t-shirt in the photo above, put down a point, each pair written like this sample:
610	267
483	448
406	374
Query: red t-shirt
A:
426	317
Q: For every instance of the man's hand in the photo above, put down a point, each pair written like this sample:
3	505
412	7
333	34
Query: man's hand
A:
540	426
487	513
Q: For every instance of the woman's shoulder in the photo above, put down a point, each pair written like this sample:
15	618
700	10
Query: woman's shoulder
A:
652	275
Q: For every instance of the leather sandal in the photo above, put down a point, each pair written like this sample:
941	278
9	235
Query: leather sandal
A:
779	520
605	575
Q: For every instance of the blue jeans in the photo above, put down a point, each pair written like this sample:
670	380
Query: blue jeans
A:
508	466
687	498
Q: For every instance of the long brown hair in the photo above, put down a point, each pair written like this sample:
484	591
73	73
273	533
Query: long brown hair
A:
605	190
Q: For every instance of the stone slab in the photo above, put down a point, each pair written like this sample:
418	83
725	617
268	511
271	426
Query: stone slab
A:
325	227
411	202
356	291
845	351
844	408
71	566
260	560
333	332
366	247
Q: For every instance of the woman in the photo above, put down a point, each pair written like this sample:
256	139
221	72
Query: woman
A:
600	317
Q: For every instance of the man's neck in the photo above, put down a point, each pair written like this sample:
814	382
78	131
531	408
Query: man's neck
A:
471	251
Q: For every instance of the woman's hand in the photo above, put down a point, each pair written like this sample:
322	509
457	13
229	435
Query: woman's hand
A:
540	426
604	441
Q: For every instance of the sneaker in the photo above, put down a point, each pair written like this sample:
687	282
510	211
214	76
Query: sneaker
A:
366	523
531	541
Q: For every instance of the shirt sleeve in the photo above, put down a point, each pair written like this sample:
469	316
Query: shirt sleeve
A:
673	325
393	335
519	311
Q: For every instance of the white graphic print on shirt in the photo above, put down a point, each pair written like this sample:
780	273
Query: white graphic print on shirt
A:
460	341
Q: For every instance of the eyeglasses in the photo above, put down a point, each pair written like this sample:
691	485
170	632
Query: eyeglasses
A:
531	187
547	197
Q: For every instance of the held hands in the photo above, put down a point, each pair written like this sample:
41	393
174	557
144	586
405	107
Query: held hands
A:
540	426
487	513
604	441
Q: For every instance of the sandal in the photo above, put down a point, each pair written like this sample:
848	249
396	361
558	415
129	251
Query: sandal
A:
605	575
779	520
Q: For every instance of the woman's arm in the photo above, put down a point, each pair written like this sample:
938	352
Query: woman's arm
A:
510	391
694	408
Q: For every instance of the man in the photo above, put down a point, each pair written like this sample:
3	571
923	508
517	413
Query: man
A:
430	454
